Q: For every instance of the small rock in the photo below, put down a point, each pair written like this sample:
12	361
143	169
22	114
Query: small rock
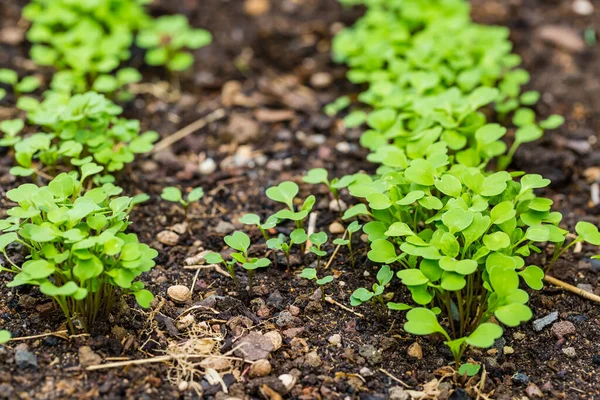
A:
563	37
272	116
119	332
543	322
586	286
288	381
547	387
520	378
185	322
317	295
198	259
314	306
298	345
335	339
87	357
183	386
569	352
321	80
370	353
229	92
533	391
491	363
179	293
398	393
583	7
415	351
519	336
508	350
216	363
294	310
336	228
285	318
263	312
275	338
275	300
224	227
312	359
343	147
207	166
335	206
24	358
292	332
364	371
242	129
563	328
596	359
254	346
259	369
256	8
167	237
6	391
12	35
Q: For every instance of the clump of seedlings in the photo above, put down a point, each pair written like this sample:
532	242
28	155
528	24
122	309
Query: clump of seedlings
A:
167	40
317	241
281	243
79	253
320	175
19	86
286	193
174	195
241	242
311	275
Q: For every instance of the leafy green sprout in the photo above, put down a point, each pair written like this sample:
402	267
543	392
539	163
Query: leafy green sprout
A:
19	86
174	195
311	275
80	255
253	219
241	242
469	369
374	296
317	176
318	240
166	40
297	237
286	193
5	336
354	227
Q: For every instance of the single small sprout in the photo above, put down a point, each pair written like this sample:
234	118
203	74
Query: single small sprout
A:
298	236
311	274
318	240
5	336
26	85
174	195
469	369
241	242
352	228
253	219
285	193
374	296
320	175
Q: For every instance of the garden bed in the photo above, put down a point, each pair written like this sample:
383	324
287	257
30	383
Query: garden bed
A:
274	129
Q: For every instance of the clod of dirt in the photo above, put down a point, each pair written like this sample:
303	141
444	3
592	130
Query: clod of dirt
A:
569	352
398	393
371	354
543	322
335	339
313	360
533	391
254	346
168	238
242	129
179	293
87	357
24	358
562	329
415	351
259	369
216	363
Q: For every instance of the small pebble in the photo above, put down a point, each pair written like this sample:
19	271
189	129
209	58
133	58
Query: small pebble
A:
569	352
275	338
321	80
336	228
335	339
179	293
364	371
562	329
207	166
288	381
520	378
508	350
167	237
335	206
583	7
596	359
533	391
260	368
415	351
312	359
543	322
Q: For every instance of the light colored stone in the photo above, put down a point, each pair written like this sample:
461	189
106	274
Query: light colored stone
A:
336	228
275	338
207	166
415	351
87	357
179	293
167	237
260	368
335	339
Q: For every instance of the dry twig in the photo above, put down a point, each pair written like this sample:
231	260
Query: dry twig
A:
343	307
580	292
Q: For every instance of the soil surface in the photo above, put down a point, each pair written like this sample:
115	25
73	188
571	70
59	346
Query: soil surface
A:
270	71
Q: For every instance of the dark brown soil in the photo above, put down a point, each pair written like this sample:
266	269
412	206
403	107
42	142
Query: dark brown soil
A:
273	57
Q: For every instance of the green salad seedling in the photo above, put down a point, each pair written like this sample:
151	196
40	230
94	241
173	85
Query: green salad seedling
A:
375	296
174	195
297	236
253	219
469	369
19	86
320	175
311	274
5	336
354	227
286	193
318	240
166	40
79	252
241	242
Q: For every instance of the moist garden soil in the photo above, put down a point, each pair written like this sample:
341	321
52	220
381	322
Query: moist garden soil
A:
270	70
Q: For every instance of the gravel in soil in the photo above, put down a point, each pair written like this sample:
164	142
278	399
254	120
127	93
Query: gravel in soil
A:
270	70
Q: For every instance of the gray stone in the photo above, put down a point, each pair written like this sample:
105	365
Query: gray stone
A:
543	322
569	352
24	358
370	353
398	393
254	346
312	359
520	378
224	227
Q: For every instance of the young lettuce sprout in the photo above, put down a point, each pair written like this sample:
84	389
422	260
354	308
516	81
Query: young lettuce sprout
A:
375	296
317	240
285	193
5	336
241	242
253	219
352	228
174	195
26	85
298	236
311	274
167	39
320	175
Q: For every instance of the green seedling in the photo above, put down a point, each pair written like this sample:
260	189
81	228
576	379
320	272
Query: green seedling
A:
5	336
174	195
241	242
19	86
77	130
469	369
285	193
87	39
311	275
352	228
298	236
318	240
320	175
375	296
167	39
253	219
336	106
79	253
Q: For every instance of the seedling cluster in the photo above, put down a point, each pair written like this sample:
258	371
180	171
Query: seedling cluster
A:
453	231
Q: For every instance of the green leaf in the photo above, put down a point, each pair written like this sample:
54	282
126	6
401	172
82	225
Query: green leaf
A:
325	280
181	61
553	122
496	241
382	251
7	239
399	229
171	194
513	314
250	219
5	336
381	120
452	281
412	277
457	219
298	236
469	369
309	273
398	306
421	172
144	298
11	127
283	193
195	195
238	241
421	321
485	335
213	258
359	209
316	176
588	232
359	296
449	185
533	276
